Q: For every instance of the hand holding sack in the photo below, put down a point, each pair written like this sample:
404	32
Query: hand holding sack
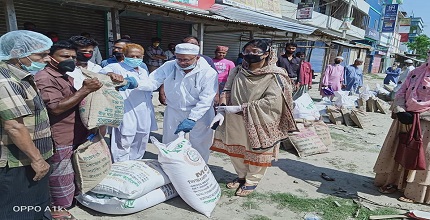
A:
186	126
230	109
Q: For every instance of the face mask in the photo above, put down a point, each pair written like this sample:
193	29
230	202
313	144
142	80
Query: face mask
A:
118	55
133	62
34	67
156	44
337	61
251	58
302	58
84	57
65	66
289	52
190	67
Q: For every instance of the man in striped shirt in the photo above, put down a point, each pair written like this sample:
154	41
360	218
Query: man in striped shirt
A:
25	131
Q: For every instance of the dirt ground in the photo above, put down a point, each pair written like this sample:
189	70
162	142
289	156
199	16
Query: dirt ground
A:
350	161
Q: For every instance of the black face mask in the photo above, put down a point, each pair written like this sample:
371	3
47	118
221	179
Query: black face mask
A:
337	61
83	57
66	66
250	58
118	55
289	52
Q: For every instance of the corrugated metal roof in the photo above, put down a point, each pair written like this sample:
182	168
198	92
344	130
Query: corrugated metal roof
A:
249	16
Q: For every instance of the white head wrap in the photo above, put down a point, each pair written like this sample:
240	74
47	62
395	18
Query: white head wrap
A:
339	57
409	61
22	43
359	60
187	48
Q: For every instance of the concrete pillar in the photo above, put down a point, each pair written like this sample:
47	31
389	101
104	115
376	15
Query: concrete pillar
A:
10	15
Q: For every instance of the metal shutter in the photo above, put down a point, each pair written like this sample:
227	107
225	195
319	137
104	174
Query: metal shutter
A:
66	20
173	33
141	31
231	40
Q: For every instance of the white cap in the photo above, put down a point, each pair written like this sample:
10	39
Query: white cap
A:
187	48
359	60
339	57
409	61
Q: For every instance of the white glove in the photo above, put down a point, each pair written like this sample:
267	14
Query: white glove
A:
230	109
218	118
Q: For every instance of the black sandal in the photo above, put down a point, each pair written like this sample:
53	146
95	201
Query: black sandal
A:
236	183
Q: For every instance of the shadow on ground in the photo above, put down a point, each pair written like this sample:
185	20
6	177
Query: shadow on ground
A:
346	184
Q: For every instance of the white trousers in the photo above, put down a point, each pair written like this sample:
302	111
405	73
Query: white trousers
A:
201	136
128	147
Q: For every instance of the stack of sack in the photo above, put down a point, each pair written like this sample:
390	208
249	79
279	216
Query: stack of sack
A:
131	186
314	135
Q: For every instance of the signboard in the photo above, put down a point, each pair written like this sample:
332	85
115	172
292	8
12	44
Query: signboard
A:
270	7
202	4
390	17
404	37
304	10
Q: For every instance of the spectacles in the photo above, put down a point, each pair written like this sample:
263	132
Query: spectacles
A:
185	60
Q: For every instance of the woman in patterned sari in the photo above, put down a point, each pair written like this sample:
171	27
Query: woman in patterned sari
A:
254	116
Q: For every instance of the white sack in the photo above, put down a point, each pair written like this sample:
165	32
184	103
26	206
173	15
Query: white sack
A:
116	206
132	179
189	174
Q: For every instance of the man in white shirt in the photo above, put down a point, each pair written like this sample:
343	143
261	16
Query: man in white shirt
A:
190	86
409	67
85	49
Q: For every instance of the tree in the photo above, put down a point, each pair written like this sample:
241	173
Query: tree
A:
420	45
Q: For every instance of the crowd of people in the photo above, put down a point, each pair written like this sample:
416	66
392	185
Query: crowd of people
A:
242	109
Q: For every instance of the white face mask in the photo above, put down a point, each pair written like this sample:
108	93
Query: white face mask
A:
190	67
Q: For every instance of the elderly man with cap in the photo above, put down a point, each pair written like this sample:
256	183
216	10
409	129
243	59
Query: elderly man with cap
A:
333	78
353	78
26	136
222	65
192	86
393	73
409	67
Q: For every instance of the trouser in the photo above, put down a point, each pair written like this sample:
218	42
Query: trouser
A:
62	180
252	174
201	136
21	197
128	147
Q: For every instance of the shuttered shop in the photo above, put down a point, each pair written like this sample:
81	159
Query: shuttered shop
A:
232	40
66	20
142	31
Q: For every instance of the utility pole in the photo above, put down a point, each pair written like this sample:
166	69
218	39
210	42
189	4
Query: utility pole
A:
348	15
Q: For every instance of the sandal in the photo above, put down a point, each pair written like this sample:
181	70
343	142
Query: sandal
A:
63	215
404	199
326	177
236	183
388	189
245	190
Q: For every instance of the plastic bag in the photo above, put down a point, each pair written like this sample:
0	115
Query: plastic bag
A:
343	99
304	108
366	93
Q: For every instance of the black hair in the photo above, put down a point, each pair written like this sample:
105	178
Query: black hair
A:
62	44
123	41
155	39
184	40
171	44
85	34
81	41
126	36
290	44
300	54
263	44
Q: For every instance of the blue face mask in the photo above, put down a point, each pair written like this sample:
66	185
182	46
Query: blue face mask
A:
133	62
34	67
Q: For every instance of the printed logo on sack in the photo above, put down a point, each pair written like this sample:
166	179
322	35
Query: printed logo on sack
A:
193	157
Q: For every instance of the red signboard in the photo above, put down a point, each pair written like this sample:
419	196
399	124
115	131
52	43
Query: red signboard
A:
404	37
202	4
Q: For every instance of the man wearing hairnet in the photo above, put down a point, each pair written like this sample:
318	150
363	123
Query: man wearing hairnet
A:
25	132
